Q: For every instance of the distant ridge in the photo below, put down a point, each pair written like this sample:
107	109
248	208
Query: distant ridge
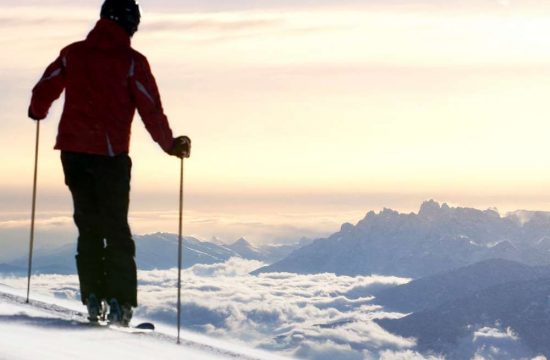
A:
432	291
155	251
449	311
522	306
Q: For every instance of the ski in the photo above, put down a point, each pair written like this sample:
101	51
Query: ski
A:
141	328
146	326
77	317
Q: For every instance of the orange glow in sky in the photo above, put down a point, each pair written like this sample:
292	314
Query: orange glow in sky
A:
440	101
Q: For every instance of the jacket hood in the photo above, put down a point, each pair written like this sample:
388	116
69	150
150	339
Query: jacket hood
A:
108	34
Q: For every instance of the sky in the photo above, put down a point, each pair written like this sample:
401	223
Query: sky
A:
310	317
318	109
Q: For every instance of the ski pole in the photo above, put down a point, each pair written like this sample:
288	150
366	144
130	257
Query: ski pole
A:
180	248
33	208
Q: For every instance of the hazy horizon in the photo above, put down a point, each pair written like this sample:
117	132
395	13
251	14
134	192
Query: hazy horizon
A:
275	225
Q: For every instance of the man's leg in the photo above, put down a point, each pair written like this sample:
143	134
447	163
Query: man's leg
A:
113	187
79	177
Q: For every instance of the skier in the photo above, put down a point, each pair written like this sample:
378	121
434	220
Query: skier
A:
105	80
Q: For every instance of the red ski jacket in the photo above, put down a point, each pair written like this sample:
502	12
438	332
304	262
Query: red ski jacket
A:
105	80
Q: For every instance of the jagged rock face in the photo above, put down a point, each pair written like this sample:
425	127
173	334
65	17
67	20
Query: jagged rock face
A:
435	239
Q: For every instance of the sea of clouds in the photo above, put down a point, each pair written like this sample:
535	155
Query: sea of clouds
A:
318	317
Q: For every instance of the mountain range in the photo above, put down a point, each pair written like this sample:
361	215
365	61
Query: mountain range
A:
436	239
433	291
450	307
155	251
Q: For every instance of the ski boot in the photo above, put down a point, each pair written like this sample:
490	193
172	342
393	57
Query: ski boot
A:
96	309
119	314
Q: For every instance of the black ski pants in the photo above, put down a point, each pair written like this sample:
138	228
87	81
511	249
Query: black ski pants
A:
100	188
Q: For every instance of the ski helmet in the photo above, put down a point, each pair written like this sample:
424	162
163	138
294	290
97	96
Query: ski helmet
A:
124	12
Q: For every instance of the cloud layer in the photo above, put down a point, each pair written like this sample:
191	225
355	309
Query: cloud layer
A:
320	317
314	317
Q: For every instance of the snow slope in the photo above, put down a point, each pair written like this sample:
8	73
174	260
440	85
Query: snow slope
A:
57	329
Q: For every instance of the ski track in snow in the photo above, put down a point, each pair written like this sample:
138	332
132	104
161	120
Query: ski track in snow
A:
64	318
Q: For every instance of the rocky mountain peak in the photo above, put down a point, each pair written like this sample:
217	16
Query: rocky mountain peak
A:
242	242
432	209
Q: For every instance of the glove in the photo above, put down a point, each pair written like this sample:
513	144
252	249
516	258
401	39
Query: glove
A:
181	147
32	116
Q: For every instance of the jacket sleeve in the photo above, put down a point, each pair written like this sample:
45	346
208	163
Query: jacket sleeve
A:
48	88
145	92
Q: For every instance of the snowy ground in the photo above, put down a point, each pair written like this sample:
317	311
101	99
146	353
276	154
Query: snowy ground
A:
44	330
314	317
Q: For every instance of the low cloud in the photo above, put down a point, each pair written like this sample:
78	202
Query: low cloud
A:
493	343
327	351
308	316
49	222
406	355
50	232
305	316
